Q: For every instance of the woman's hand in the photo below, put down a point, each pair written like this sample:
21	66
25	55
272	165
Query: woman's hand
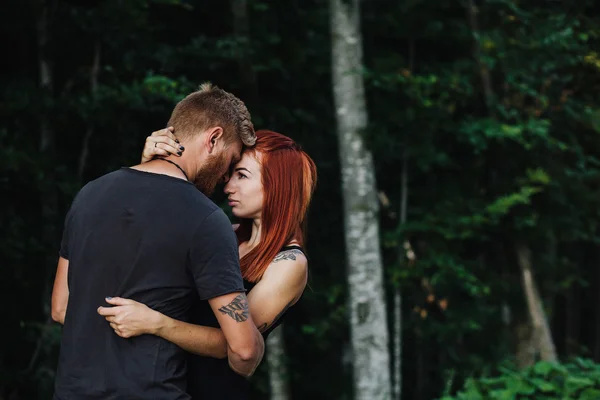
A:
161	143
129	318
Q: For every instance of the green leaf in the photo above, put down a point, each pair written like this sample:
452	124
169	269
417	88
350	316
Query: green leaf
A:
544	386
543	368
576	383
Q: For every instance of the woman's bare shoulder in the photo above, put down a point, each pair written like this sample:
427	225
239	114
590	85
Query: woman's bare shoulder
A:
289	262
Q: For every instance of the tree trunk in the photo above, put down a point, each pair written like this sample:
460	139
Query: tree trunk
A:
397	344
484	74
539	321
597	318
47	185
85	147
398	294
526	347
45	74
278	372
572	335
419	384
368	322
241	28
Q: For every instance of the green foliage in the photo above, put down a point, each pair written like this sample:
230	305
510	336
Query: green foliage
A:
579	380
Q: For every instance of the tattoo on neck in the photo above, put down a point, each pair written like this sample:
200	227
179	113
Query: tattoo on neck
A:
237	309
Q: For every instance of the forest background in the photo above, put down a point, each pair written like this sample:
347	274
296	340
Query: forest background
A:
479	122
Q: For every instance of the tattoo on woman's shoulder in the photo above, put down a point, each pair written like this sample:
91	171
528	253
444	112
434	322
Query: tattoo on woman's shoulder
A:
287	255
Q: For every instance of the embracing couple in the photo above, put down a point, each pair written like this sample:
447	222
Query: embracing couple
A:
160	297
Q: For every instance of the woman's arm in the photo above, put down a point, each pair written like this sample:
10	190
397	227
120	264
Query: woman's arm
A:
197	339
130	318
281	286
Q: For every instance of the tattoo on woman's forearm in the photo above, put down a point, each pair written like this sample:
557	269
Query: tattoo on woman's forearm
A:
237	309
264	327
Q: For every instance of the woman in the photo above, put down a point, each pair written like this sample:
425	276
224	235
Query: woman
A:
269	191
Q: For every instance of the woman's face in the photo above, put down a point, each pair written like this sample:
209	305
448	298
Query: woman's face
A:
245	189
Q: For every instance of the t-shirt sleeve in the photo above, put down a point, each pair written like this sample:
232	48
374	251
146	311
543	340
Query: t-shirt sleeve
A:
214	258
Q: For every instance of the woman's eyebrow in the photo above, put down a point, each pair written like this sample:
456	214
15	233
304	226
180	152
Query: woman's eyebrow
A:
242	168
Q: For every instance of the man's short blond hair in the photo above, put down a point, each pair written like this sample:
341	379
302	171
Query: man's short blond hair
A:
209	107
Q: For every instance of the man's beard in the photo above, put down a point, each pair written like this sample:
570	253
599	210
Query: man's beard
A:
211	174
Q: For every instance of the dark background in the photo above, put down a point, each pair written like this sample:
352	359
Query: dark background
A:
485	174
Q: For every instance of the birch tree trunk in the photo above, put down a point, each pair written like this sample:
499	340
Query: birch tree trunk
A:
368	323
539	322
278	372
397	294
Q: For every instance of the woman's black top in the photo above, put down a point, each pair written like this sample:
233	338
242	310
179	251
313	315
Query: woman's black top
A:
211	378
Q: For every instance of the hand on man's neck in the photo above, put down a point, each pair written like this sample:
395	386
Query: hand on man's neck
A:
160	165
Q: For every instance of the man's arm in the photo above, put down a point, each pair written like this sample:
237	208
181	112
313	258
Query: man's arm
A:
245	344
60	292
215	266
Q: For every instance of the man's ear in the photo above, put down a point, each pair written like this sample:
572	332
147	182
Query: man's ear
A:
214	135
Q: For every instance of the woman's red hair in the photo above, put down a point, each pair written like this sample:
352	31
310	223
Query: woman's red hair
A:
289	177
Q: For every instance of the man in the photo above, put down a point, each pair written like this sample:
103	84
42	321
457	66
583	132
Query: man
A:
147	234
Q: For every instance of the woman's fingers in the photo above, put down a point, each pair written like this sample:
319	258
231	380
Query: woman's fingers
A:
152	149
167	132
153	144
108	311
167	140
119	301
161	143
156	151
164	132
120	331
168	145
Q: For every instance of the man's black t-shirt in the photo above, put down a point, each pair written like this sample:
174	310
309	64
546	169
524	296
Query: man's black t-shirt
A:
152	238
